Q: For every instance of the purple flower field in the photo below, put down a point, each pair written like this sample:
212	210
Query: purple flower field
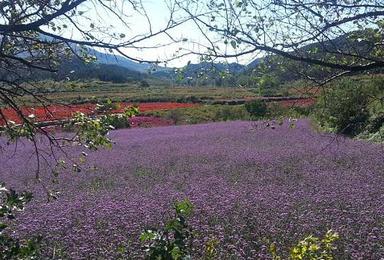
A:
250	186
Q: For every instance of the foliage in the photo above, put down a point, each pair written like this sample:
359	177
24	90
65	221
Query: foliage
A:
106	107
352	107
14	131
311	248
12	202
344	108
144	84
170	241
228	112
211	249
93	132
215	113
333	37
257	108
204	113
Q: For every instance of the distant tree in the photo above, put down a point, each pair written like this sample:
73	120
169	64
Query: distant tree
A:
144	84
339	36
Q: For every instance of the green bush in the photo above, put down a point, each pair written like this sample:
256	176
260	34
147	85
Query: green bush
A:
343	108
230	112
354	107
175	115
256	108
203	114
144	84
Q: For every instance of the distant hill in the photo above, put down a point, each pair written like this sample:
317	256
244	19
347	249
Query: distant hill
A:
254	63
284	69
203	72
76	69
122	68
108	58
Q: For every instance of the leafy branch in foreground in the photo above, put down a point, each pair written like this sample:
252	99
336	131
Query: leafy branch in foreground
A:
12	202
170	241
93	132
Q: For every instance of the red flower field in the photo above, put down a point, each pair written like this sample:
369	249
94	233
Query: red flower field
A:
59	112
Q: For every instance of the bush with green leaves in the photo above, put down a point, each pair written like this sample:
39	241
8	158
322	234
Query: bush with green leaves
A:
343	108
228	112
203	114
352	107
172	240
256	108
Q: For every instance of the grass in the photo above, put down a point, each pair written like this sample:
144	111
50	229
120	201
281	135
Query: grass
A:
216	113
203	114
95	91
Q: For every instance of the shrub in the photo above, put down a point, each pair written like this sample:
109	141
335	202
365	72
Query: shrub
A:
175	115
230	112
144	84
256	108
344	108
354	107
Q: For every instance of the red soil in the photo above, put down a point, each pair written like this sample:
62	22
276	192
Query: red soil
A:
59	112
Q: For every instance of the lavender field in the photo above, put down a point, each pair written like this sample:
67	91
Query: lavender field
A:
251	185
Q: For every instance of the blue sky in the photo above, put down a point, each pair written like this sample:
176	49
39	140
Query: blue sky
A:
99	19
159	13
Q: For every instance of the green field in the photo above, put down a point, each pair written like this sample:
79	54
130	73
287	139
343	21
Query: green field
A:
92	91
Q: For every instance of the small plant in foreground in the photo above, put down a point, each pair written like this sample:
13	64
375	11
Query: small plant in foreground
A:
11	248
170	241
311	248
211	249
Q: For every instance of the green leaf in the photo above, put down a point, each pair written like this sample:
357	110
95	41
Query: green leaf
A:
176	253
184	207
234	44
148	235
